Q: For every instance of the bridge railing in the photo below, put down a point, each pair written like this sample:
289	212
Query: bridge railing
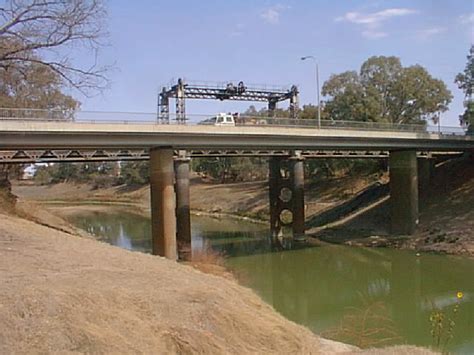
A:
101	117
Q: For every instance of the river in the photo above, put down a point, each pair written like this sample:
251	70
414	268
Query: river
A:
363	296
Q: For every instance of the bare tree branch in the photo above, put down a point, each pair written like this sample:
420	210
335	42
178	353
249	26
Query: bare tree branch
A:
46	32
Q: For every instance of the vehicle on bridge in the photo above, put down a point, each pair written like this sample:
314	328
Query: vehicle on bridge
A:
221	119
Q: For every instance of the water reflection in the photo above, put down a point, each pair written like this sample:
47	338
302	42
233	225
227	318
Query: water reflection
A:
321	287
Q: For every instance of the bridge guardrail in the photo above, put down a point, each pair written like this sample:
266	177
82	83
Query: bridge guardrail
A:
101	117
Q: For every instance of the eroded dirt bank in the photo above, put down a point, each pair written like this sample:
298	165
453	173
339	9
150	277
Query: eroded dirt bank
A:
446	223
62	293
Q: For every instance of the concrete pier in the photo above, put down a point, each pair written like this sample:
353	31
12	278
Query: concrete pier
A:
425	174
183	218
297	181
286	195
163	213
403	192
274	193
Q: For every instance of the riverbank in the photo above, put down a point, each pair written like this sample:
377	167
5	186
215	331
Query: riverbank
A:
64	293
446	222
242	200
446	212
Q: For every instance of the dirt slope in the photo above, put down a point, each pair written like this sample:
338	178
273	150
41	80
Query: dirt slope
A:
68	294
65	294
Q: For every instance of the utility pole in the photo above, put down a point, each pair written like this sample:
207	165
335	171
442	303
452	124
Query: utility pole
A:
317	86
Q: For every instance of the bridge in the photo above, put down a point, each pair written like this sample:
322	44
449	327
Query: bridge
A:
38	136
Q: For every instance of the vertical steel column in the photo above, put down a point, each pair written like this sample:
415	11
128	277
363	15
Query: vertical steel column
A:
403	192
183	219
163	217
163	107
271	108
297	180
180	106
294	102
274	192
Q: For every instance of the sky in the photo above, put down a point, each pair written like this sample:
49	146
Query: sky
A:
152	42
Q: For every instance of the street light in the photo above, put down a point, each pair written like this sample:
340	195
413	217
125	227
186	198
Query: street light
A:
317	85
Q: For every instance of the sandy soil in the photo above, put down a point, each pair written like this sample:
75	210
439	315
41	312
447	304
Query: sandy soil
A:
65	294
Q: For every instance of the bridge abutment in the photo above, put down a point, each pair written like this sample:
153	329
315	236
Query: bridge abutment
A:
163	213
403	192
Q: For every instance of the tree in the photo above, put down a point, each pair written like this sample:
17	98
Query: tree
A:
37	38
34	86
465	81
32	31
385	91
134	173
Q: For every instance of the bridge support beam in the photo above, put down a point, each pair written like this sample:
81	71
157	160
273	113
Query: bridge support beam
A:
183	218
297	181
403	192
163	217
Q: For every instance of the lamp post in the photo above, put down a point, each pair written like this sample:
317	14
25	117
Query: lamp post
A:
317	86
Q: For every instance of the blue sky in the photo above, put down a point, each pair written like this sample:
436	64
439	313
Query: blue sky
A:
152	42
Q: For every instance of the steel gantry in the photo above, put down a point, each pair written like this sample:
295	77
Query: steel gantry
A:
229	91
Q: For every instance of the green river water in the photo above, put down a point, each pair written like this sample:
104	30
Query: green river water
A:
363	296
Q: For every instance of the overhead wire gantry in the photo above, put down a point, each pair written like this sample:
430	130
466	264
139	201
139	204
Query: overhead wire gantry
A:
181	91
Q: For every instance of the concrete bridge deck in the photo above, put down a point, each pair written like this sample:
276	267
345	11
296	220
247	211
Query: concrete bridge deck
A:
17	135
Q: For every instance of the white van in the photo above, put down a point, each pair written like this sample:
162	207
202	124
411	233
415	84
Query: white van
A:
224	119
221	119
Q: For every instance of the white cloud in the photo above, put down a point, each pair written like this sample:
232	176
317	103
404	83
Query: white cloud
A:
272	14
371	22
429	32
467	19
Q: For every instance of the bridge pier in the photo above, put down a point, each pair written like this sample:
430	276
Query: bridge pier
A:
425	173
276	204
286	195
163	213
403	192
183	218
297	185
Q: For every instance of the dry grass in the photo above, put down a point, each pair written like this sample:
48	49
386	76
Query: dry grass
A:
366	327
208	261
63	294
